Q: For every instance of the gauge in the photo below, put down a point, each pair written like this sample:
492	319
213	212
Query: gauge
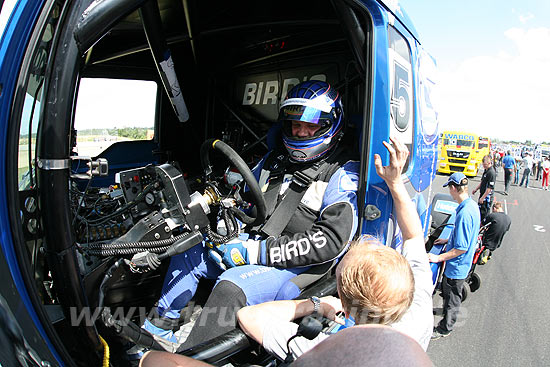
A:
150	198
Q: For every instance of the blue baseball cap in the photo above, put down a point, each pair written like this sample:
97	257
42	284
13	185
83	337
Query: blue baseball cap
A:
457	178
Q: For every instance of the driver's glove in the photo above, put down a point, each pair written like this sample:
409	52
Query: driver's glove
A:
236	252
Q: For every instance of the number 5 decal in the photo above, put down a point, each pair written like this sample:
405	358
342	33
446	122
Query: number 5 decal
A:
401	95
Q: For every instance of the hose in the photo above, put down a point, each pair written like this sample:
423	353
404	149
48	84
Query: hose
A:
108	274
130	248
127	251
106	353
230	224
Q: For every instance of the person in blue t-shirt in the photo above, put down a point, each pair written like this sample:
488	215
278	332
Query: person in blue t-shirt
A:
459	254
508	162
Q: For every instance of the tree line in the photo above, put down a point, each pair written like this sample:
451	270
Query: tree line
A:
136	133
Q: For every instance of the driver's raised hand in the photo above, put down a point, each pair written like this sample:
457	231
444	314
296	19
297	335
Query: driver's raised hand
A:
391	174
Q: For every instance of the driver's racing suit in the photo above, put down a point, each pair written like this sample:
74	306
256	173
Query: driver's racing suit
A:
318	232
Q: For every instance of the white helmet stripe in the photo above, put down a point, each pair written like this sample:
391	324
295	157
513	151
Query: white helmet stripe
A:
322	103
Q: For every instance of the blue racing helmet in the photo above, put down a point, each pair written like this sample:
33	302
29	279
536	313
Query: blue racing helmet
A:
314	102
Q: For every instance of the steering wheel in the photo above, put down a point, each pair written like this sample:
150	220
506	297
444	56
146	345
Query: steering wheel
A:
232	156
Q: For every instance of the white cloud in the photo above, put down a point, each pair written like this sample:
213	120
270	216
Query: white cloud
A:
503	95
524	18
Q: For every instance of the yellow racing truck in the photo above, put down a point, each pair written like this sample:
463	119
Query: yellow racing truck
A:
483	148
459	153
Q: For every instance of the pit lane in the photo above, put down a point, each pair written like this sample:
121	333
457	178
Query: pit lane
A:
507	321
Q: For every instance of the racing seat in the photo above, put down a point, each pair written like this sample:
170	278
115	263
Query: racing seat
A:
304	280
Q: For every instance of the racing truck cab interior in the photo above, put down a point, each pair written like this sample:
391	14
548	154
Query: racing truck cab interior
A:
114	202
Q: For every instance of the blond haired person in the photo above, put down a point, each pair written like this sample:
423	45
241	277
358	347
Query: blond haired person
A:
376	284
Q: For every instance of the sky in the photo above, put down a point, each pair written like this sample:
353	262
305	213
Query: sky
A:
110	103
493	58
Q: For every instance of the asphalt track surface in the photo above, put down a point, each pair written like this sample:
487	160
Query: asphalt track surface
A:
507	321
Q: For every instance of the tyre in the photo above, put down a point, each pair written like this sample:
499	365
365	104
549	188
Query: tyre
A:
465	291
483	257
475	282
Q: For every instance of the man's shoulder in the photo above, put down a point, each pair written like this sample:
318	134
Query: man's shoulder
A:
492	217
470	209
346	177
503	216
351	166
489	173
469	203
340	163
498	217
492	174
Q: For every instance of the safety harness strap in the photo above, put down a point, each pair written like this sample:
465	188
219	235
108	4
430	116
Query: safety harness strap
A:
292	197
271	196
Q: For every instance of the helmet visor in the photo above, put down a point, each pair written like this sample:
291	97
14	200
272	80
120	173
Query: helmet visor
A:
301	109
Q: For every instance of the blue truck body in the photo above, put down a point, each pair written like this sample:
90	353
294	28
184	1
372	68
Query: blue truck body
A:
394	79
